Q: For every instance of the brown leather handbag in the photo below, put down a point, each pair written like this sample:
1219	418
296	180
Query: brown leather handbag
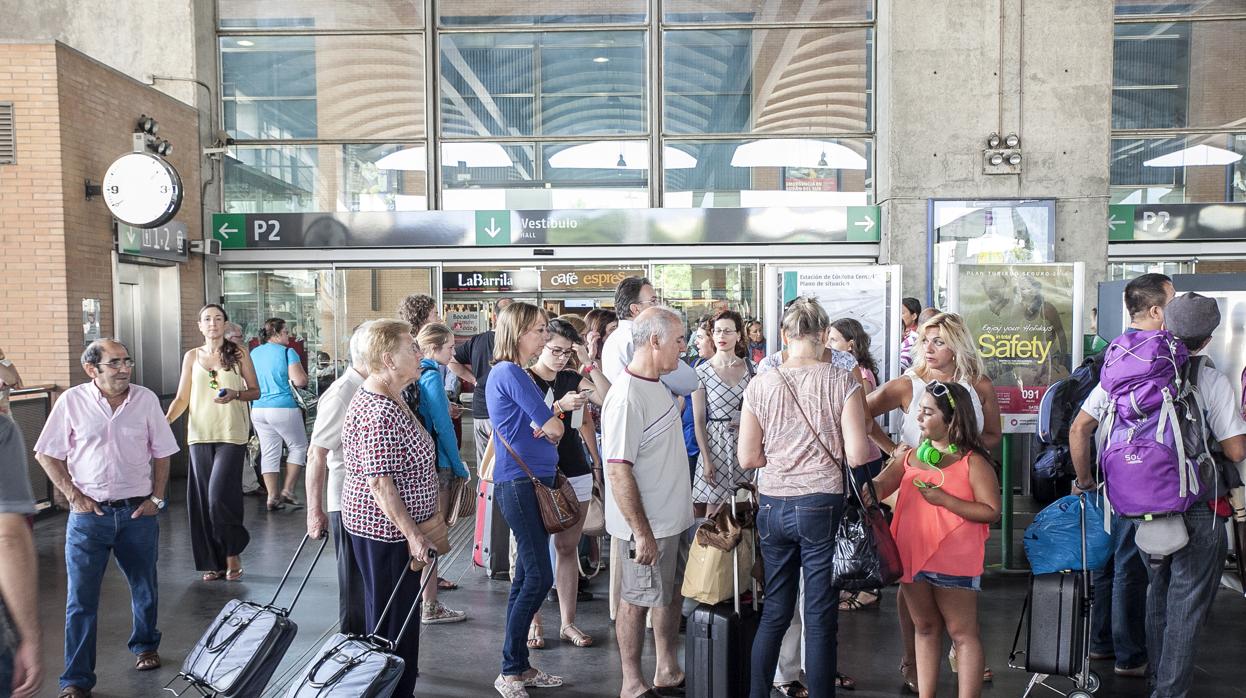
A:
559	507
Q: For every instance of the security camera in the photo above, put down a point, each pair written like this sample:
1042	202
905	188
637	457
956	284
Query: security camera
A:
222	138
216	151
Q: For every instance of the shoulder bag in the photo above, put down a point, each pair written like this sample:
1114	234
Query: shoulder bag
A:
559	507
866	556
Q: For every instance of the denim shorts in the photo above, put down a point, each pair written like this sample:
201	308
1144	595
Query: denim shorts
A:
949	581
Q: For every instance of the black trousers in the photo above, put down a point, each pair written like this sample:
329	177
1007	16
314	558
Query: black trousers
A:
381	565
349	581
214	500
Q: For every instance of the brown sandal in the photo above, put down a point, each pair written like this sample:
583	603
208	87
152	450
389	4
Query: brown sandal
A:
147	661
575	636
233	575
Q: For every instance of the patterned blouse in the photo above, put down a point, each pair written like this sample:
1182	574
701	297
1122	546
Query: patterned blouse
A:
380	438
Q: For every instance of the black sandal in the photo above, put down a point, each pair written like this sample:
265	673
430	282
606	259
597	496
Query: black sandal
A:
794	689
845	682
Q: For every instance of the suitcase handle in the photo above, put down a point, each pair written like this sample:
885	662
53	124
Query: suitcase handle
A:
735	552
392	644
337	675
289	568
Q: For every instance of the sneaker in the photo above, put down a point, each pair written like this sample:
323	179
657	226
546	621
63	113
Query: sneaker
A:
435	613
510	689
1138	672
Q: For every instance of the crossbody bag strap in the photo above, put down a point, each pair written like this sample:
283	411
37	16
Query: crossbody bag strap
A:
796	400
526	469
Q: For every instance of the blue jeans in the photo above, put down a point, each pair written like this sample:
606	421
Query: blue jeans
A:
533	575
798	535
1183	586
89	539
1118	614
6	672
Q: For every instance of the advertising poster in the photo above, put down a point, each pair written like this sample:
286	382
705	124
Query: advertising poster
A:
90	320
868	294
1025	322
464	319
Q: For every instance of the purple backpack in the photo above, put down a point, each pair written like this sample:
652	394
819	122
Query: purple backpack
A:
1146	468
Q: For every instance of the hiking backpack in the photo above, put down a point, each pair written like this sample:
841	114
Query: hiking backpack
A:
1056	412
1153	439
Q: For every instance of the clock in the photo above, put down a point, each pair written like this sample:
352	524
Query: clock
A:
142	190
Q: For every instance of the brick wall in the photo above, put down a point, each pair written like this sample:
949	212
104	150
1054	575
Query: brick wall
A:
74	117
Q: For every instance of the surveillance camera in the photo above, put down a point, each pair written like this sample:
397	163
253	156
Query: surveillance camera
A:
222	138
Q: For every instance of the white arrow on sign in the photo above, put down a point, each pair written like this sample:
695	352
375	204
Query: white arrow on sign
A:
132	236
225	230
1113	222
493	228
867	224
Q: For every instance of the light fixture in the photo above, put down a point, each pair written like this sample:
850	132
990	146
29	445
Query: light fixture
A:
610	155
621	162
1012	140
822	160
1195	156
1014	159
797	152
146	124
997	159
992	141
163	148
246	42
601	59
464	154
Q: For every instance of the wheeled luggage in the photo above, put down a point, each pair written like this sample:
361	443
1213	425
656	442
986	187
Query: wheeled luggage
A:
491	549
360	666
240	650
719	641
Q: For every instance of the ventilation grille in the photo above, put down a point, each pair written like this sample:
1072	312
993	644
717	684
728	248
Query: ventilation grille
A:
8	135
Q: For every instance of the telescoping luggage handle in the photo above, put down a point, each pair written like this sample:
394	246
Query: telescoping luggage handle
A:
393	643
290	568
735	553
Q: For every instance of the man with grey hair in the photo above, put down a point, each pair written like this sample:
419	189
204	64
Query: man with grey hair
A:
324	460
233	332
648	498
106	447
632	296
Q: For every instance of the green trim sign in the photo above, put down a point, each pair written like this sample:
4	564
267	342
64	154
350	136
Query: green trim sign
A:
1176	222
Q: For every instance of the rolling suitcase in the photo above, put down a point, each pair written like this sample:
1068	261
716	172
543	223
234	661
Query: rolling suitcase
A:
240	650
719	643
357	666
491	548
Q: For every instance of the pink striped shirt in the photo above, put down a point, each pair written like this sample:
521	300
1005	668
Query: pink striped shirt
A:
108	453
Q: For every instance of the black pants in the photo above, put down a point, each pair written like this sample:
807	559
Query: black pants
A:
381	565
349	581
214	500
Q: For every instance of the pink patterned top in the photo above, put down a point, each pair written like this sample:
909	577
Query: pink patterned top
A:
379	438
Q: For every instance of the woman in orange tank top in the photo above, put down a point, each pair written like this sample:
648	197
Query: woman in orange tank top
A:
948	496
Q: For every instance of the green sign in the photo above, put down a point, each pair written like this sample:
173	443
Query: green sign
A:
131	240
230	229
1120	222
863	224
493	227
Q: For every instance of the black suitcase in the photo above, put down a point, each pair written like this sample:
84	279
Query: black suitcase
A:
357	666
1056	624
240	650
718	644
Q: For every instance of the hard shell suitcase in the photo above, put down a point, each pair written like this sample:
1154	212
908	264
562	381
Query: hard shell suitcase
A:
240	650
719	643
491	548
1056	624
357	666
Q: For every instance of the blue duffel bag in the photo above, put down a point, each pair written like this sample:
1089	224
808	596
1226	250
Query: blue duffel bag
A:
1053	543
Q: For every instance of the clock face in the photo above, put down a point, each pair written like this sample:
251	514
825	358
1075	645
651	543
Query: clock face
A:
142	190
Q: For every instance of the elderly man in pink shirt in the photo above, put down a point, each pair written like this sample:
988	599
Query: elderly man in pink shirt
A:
106	447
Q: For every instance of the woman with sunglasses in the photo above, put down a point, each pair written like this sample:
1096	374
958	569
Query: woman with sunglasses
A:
568	391
217	382
948	496
947	354
716	409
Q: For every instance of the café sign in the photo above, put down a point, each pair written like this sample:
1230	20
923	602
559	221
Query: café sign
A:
570	279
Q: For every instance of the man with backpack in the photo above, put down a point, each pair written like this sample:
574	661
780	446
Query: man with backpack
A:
1118	616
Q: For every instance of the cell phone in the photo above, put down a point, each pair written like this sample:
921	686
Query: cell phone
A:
222	392
586	392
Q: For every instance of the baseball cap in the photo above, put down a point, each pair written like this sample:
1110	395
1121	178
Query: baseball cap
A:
1191	315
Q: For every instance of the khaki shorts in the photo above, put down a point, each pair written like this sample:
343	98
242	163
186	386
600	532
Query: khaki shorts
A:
656	585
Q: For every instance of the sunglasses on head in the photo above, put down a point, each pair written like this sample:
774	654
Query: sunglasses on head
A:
940	390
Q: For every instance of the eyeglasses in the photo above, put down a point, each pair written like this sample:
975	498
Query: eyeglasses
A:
116	364
656	300
940	390
558	353
719	331
212	383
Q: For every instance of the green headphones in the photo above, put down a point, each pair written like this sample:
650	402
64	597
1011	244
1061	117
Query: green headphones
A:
930	455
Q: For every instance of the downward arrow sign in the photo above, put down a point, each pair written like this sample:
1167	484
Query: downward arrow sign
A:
131	236
493	228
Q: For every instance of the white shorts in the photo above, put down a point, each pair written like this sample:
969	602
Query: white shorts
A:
275	426
583	486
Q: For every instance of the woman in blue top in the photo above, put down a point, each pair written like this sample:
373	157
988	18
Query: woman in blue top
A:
523	426
276	415
436	342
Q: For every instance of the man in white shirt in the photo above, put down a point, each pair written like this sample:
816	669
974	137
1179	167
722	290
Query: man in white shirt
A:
324	458
648	498
632	296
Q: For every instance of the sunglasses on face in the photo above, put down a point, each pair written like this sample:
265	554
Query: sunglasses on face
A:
940	391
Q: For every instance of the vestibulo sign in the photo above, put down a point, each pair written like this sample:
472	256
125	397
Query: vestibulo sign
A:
585	279
498	280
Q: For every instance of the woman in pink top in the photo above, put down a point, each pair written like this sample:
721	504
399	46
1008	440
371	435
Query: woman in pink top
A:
948	496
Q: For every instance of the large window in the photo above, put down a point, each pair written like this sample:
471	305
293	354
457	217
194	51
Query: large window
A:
1177	106
546	104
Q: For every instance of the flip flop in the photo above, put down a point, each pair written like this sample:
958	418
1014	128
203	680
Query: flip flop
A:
446	584
233	575
213	576
793	689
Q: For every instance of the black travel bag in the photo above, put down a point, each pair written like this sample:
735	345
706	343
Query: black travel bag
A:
1056	624
358	666
240	650
718	641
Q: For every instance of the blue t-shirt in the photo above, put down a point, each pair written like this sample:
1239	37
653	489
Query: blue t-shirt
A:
515	403
690	427
272	366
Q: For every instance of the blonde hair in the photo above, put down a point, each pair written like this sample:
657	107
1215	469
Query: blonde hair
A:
575	321
513	321
956	335
805	318
381	337
433	336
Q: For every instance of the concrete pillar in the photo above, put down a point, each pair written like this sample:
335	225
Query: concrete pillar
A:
948	78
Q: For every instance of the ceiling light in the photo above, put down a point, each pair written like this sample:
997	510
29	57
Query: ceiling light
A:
797	152
1195	156
992	141
610	155
465	154
822	160
245	42
621	162
1014	159
997	159
1012	140
601	59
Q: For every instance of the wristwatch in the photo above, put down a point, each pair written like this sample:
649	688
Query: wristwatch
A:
160	503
